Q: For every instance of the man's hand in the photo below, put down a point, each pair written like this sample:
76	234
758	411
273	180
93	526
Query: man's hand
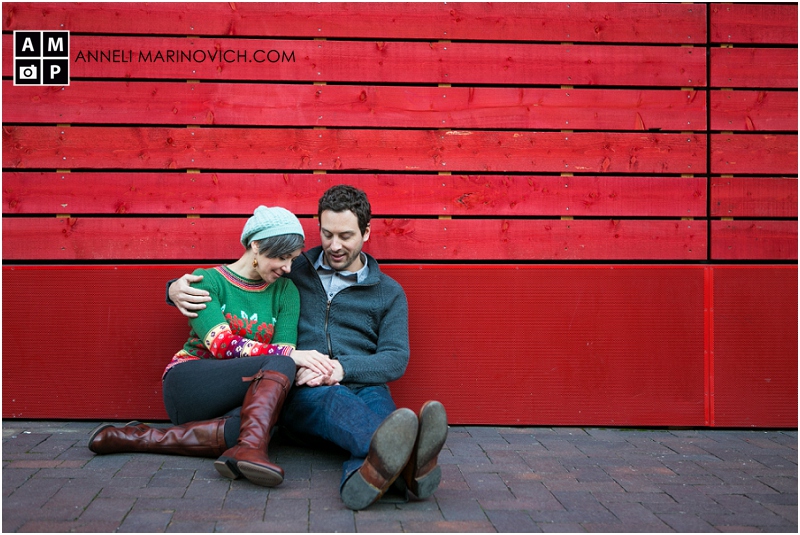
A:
311	378
187	298
313	361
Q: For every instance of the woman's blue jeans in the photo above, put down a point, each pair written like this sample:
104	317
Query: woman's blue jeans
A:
345	416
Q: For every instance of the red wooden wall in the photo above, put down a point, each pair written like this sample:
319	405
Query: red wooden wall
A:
592	206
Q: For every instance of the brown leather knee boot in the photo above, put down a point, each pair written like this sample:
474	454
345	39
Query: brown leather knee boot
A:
260	410
195	439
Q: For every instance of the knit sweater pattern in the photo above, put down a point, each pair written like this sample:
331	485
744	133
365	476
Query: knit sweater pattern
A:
244	318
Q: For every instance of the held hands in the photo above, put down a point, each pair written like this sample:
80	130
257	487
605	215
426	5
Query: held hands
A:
309	377
187	298
313	360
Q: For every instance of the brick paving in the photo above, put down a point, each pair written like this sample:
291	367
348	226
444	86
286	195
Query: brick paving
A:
495	479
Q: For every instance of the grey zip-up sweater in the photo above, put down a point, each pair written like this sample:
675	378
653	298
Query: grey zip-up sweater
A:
365	326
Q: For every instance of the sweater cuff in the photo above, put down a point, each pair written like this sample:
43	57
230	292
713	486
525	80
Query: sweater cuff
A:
169	301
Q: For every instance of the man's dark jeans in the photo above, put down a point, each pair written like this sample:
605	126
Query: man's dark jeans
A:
346	417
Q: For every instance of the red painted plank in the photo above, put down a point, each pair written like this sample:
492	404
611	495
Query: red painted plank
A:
198	239
753	23
512	21
172	103
754	154
755	346
380	62
754	67
753	240
753	197
615	345
388	150
753	110
453	195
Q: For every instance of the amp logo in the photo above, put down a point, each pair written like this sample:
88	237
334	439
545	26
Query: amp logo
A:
41	58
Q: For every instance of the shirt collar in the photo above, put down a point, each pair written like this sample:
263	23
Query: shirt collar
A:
361	274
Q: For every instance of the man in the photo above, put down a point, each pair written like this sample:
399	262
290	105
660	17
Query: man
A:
358	317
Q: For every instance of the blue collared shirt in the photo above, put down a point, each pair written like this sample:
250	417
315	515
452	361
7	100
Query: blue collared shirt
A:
335	281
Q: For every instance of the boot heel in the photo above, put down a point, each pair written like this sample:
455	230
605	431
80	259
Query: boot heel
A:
424	486
226	466
358	494
259	474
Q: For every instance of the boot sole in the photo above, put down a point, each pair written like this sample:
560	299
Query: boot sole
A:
260	475
393	442
227	468
432	436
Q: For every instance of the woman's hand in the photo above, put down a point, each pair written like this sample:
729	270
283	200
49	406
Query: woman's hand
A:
308	377
314	361
187	298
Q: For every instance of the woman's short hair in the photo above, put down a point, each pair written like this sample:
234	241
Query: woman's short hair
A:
277	246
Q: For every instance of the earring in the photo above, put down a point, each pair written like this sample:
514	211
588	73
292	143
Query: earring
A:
255	262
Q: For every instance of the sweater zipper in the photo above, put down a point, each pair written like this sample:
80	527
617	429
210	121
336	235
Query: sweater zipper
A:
328	306
327	333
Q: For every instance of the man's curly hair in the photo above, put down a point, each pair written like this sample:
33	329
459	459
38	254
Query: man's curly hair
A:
342	198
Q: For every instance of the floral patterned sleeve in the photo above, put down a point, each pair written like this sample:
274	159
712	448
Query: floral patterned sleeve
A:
213	328
224	344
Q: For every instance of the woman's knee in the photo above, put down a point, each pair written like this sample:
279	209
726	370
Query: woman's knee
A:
280	364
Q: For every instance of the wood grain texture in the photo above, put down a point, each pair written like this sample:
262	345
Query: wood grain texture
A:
754	197
380	61
174	103
512	21
207	238
754	67
753	23
324	150
754	154
418	195
753	110
753	240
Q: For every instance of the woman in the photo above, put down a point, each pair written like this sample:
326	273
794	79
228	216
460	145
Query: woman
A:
226	387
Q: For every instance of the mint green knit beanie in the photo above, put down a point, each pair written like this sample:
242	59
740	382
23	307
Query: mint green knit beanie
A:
268	222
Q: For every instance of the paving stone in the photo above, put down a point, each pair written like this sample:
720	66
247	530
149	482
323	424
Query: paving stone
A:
686	523
787	512
560	527
332	520
108	509
191	527
502	479
530	505
246	497
379	526
512	522
412	511
637	517
461	509
450	527
145	521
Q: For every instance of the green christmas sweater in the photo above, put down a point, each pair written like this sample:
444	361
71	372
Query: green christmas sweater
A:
245	318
